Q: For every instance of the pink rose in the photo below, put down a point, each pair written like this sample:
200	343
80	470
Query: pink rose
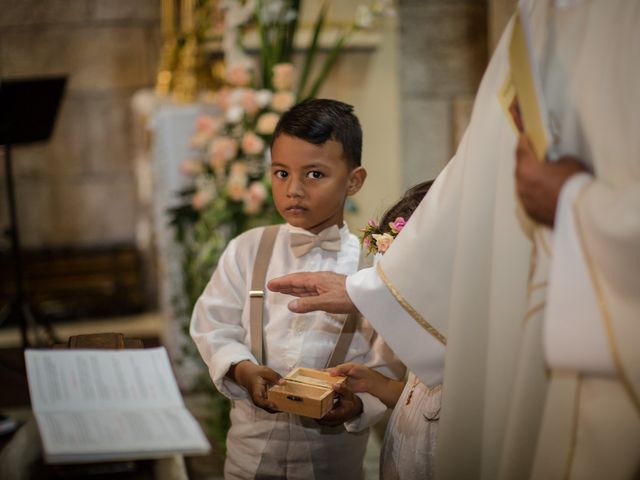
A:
252	144
249	102
202	198
206	128
282	101
254	198
237	184
398	224
267	123
221	151
283	76
223	98
190	166
238	75
372	223
208	124
383	241
257	191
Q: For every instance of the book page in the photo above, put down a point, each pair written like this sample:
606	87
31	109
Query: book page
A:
72	380
95	405
114	434
526	105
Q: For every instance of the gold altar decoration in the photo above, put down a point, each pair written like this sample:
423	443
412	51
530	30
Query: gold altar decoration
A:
184	69
169	48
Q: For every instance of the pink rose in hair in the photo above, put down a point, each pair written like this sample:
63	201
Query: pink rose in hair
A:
398	224
383	241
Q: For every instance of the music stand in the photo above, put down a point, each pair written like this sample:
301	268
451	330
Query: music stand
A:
28	110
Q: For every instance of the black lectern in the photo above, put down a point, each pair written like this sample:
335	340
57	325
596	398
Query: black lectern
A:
28	109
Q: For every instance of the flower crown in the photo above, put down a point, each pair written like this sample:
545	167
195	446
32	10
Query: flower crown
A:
377	242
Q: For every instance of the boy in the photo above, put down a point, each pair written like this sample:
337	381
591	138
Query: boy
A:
315	153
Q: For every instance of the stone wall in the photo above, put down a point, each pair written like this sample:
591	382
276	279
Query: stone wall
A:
443	54
78	189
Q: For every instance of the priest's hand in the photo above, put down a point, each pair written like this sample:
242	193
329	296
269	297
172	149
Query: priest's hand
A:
325	291
539	183
256	379
346	408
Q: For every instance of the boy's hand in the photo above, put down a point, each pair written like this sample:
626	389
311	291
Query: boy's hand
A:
347	407
256	379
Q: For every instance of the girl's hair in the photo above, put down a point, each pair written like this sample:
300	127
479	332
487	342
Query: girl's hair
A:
405	206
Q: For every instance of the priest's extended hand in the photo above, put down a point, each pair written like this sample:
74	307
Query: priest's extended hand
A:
325	291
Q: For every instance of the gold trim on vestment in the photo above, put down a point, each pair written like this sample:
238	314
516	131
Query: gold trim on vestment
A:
409	309
533	288
574	429
533	310
543	241
604	308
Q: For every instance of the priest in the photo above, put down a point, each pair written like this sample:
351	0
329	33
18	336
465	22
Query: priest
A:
536	315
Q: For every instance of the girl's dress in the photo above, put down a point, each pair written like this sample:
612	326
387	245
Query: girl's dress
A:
409	442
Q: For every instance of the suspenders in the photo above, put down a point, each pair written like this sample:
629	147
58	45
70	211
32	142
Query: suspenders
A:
256	304
256	294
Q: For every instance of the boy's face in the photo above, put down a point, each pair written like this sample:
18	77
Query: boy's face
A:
310	183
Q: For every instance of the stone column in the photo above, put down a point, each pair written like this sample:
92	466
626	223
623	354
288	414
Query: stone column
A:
500	12
443	54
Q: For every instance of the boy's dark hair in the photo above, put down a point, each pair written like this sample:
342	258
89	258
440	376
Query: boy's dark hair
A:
406	205
317	120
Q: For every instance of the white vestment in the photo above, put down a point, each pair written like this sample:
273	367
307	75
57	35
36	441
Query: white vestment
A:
465	274
263	444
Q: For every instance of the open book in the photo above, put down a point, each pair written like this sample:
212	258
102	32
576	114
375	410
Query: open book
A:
521	94
98	405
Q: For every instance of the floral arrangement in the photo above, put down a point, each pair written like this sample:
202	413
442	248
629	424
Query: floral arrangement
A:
375	240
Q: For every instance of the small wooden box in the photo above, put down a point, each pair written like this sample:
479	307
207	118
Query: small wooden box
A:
306	392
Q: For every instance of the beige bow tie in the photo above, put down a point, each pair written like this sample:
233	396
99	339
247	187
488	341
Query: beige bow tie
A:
302	242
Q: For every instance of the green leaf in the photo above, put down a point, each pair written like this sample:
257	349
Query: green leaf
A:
265	48
311	51
329	62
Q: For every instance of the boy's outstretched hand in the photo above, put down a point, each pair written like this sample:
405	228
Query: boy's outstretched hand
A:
347	407
325	291
256	379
